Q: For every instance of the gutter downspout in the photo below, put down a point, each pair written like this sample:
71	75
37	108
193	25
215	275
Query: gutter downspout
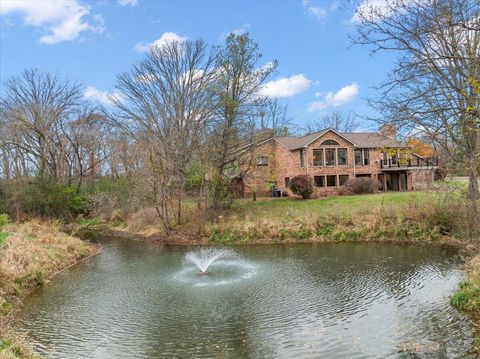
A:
354	168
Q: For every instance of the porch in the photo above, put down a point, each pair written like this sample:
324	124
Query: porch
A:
413	163
395	181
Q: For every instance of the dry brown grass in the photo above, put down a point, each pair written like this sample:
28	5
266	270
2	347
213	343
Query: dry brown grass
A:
32	253
440	218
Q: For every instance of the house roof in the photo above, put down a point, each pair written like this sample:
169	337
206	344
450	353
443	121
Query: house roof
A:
358	139
372	140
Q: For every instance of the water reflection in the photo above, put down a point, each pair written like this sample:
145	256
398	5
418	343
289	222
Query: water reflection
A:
138	300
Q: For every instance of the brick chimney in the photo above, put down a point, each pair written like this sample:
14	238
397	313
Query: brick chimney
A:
388	130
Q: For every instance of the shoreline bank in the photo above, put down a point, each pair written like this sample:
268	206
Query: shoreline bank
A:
31	255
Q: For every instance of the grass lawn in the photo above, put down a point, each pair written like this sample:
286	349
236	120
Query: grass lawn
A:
332	205
382	216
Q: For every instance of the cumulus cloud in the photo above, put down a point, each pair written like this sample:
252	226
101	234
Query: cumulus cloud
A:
161	41
128	2
316	11
103	97
286	86
61	20
341	97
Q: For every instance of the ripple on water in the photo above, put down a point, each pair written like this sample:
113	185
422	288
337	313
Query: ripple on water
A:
221	273
328	301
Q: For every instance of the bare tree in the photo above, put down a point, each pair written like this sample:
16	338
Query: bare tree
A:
166	105
239	82
45	122
434	87
336	120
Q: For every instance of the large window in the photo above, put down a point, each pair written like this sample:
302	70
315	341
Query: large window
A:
342	179
331	181
319	181
262	161
330	156
318	157
302	158
362	157
342	156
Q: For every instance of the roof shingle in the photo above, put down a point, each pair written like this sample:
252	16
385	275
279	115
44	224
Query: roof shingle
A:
359	139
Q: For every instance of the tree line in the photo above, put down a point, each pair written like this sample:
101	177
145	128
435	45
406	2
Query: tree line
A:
185	120
182	125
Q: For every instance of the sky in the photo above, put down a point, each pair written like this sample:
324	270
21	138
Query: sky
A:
319	70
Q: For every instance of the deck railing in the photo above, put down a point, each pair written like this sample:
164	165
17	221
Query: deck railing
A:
417	162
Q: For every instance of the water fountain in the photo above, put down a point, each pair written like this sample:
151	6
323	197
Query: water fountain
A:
205	257
213	267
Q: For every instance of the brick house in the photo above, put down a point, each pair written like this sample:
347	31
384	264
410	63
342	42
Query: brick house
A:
330	158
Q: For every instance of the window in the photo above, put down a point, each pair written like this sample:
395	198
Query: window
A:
366	160
331	181
358	157
287	182
342	179
342	157
362	157
262	161
330	157
319	181
318	157
330	143
302	158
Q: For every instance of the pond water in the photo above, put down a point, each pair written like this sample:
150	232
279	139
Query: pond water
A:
329	300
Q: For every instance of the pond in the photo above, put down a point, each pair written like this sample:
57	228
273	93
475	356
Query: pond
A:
325	300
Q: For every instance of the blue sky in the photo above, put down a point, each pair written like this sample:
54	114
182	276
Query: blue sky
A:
92	41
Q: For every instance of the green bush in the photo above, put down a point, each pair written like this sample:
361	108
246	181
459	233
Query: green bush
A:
44	199
40	198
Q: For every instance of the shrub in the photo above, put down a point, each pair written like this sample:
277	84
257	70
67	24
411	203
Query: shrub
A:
40	198
106	195
361	185
43	199
302	186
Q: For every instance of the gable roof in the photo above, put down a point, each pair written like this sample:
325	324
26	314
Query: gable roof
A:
295	143
358	139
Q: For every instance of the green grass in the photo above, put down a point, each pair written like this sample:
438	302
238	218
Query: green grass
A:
399	216
3	237
84	222
337	205
467	297
3	219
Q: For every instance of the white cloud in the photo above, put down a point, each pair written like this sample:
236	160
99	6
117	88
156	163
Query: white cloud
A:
341	97
103	97
128	2
62	20
238	31
317	11
377	9
286	86
164	39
